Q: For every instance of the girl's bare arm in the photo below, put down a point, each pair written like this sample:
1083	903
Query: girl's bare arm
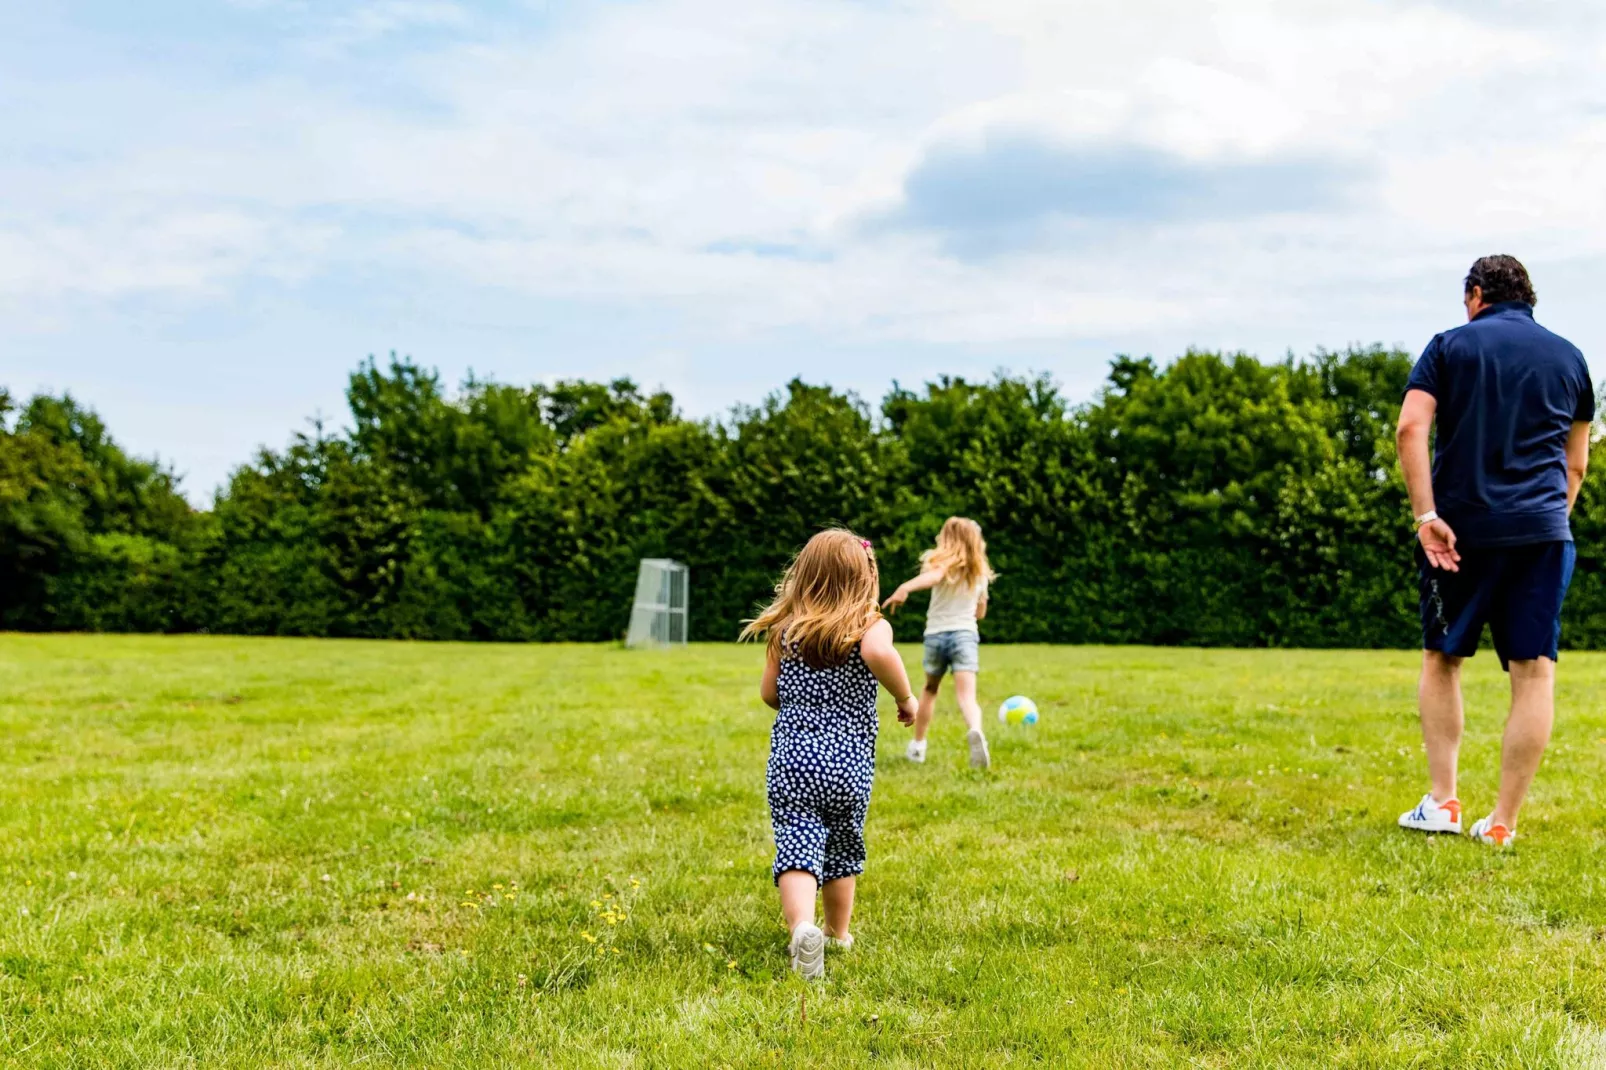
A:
924	581
878	652
769	687
981	606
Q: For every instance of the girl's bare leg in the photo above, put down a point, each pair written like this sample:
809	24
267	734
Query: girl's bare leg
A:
798	888
839	906
928	706
965	689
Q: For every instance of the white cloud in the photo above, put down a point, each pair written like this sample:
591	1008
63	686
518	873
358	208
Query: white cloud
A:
605	156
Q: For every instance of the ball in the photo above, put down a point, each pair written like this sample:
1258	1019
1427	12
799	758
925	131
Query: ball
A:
1018	709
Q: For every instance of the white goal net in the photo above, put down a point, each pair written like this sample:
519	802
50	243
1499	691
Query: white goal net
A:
658	617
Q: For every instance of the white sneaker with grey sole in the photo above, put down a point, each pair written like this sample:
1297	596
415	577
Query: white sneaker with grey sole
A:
808	951
979	758
916	751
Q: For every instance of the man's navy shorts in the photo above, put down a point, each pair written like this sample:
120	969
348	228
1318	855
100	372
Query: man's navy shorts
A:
1516	590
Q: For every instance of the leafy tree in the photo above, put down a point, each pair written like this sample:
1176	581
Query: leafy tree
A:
90	538
1215	500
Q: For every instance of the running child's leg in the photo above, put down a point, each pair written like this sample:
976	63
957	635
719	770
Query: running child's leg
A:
798	888
965	690
800	837
928	706
839	908
975	738
844	861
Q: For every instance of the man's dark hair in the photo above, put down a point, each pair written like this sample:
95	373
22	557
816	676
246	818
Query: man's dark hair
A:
1503	278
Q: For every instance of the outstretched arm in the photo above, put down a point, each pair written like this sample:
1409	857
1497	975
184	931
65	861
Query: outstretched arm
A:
924	581
878	652
1577	461
1416	464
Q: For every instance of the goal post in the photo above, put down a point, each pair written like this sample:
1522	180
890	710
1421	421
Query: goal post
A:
658	615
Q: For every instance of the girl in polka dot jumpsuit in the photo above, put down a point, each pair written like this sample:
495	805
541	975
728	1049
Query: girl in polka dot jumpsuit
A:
827	648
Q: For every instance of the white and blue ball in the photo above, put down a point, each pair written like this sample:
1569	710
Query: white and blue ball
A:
1018	709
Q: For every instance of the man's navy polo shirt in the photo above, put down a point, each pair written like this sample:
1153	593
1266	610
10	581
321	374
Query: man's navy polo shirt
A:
1508	393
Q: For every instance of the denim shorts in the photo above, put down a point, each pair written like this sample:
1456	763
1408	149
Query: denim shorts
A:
952	650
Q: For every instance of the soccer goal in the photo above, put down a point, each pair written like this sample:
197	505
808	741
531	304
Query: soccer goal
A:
658	617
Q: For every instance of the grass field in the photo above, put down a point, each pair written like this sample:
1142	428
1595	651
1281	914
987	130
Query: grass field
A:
242	853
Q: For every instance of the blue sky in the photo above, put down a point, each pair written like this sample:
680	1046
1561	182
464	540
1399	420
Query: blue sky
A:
213	211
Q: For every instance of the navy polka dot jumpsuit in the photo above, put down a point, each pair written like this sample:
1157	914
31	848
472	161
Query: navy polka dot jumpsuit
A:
822	763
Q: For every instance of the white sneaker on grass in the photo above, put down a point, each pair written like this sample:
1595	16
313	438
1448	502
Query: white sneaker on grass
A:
979	758
808	951
1430	815
843	943
1484	830
916	751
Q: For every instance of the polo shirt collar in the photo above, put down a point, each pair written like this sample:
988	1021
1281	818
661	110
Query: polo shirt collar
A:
1522	307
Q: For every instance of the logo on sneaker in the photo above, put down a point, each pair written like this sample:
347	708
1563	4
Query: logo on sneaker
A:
1452	807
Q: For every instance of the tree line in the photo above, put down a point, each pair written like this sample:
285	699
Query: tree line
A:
1217	500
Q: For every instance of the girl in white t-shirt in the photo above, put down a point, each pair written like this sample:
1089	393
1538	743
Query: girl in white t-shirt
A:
956	572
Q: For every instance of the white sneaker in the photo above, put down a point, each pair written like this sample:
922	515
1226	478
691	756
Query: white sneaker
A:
844	943
1484	830
1431	815
979	758
916	751
808	951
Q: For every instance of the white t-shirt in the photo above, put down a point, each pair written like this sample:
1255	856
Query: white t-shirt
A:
953	607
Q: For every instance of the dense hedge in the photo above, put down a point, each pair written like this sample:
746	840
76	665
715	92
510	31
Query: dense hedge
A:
1219	500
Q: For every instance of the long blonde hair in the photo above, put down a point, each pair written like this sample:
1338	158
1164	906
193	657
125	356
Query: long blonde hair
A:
826	600
961	553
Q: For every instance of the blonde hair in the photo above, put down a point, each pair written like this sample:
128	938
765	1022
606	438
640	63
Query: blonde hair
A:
961	553
826	600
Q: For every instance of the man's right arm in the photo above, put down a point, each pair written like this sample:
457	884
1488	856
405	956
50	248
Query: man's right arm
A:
1416	463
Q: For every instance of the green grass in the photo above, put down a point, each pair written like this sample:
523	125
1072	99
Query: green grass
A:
243	853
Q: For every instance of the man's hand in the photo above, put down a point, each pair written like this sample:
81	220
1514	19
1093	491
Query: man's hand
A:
907	710
1438	542
895	599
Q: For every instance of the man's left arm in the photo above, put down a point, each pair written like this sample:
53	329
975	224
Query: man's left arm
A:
1577	460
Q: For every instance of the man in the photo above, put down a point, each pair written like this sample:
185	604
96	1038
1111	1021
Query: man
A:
1513	404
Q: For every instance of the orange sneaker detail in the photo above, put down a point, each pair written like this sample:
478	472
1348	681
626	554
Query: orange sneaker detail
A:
1499	834
1452	807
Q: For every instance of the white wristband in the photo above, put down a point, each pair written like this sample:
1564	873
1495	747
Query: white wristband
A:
1427	518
